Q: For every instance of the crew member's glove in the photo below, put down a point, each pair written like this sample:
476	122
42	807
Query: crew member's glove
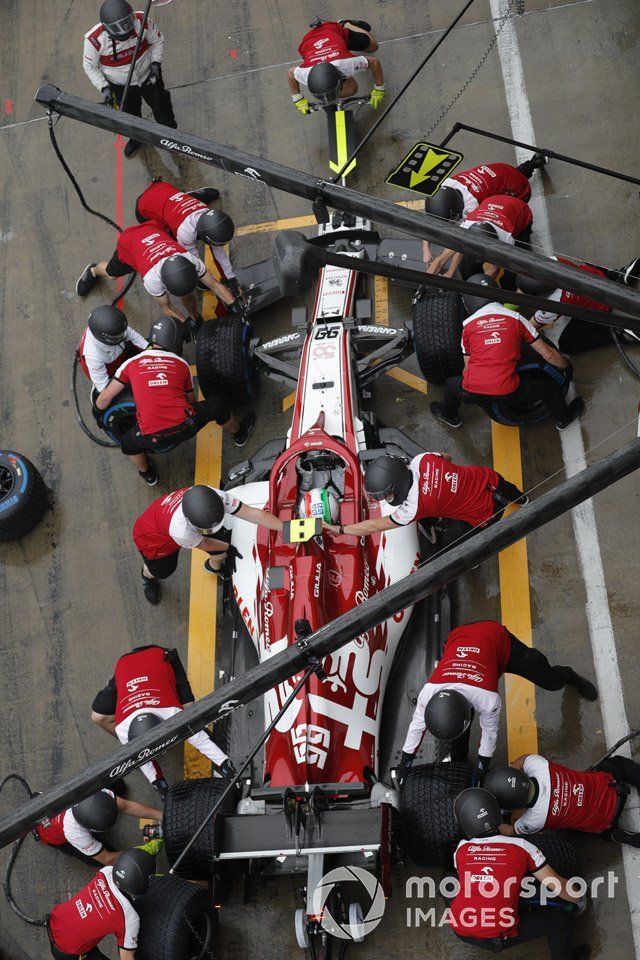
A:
151	846
404	766
227	768
155	74
97	415
237	308
162	787
301	103
107	97
481	770
233	285
377	96
191	327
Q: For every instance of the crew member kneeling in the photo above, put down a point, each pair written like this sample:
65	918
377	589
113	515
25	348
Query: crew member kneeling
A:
106	343
166	409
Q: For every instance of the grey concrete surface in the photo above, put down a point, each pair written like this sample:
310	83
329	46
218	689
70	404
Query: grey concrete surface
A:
70	596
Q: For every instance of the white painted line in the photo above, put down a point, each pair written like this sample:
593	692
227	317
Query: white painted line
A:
585	530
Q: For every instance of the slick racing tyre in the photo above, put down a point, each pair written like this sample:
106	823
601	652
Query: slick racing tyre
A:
177	921
533	366
224	363
186	806
437	331
428	823
23	496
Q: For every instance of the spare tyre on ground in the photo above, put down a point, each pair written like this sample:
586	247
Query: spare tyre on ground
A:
224	363
186	806
429	826
23	496
437	331
177	921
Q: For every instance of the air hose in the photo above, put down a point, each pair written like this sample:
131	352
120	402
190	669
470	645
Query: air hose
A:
83	426
15	850
618	339
616	746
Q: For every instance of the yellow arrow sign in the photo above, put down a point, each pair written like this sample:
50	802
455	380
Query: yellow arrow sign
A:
432	159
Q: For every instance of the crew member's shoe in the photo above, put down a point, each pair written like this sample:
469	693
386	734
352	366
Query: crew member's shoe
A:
132	148
575	409
245	430
86	281
205	194
539	160
220	573
437	411
583	687
150	475
623	836
162	787
151	589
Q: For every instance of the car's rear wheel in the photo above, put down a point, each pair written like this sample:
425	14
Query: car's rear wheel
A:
224	362
23	496
177	921
186	806
430	830
437	331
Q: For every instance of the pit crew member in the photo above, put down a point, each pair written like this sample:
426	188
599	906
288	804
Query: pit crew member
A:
167	413
463	192
74	831
431	485
102	908
188	218
108	52
150	685
466	679
341	51
164	265
106	343
492	339
193	517
499	218
550	796
487	911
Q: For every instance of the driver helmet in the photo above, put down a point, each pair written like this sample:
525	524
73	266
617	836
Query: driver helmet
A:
318	502
324	82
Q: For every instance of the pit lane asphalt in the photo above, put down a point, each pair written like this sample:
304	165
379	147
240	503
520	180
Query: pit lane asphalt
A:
70	596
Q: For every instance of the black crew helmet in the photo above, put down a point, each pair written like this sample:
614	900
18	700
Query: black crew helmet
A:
481	226
447	203
166	333
215	226
388	475
116	16
473	302
535	288
324	82
509	786
108	324
179	275
448	714
142	723
203	508
477	813
96	813
133	870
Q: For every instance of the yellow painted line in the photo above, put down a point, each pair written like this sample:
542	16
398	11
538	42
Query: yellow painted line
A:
296	223
381	301
409	379
288	402
203	594
515	599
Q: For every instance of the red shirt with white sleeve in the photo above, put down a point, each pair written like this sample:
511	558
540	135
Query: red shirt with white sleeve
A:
574	299
509	215
159	382
489	180
585	800
144	679
492	339
490	871
163	528
474	658
64	828
145	247
326	42
444	489
93	913
176	211
100	361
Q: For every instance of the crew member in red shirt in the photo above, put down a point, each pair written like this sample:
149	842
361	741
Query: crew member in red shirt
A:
103	908
466	679
569	333
189	219
150	685
432	486
166	410
345	45
165	266
493	337
462	192
193	517
550	796
489	910
74	831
